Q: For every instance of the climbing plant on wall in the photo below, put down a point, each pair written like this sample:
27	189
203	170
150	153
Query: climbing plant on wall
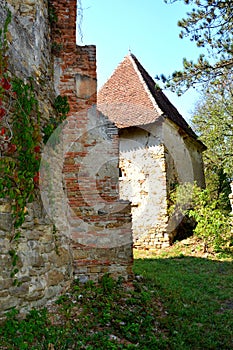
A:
21	140
21	135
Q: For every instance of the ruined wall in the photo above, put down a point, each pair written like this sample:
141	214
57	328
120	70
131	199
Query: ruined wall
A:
100	225
153	160
51	252
143	182
44	259
30	47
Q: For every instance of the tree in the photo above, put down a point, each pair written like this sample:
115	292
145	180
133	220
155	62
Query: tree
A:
212	120
210	25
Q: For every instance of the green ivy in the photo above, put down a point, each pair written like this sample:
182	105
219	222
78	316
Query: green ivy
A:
21	141
61	106
21	159
52	13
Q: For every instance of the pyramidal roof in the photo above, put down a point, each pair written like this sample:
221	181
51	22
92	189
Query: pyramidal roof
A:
130	98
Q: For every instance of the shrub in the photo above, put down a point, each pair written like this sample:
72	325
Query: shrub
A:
213	223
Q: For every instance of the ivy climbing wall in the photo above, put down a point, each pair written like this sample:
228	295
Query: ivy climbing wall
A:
80	228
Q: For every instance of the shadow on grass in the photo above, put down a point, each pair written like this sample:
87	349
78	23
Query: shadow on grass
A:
197	294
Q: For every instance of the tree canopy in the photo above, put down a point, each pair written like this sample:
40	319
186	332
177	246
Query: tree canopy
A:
212	120
209	24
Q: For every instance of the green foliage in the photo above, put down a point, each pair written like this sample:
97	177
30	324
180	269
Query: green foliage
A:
4	47
56	48
181	298
213	222
61	107
19	136
90	316
20	142
21	334
52	13
20	165
210	25
212	120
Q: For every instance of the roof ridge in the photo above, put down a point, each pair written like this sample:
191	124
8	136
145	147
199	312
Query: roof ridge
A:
162	101
132	59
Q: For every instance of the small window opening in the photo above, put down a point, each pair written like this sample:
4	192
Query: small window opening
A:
120	173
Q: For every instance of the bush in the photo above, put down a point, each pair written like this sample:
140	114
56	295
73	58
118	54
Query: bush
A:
213	223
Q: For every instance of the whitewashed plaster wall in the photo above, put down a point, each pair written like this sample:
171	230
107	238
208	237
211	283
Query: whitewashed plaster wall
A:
153	158
143	182
185	152
175	145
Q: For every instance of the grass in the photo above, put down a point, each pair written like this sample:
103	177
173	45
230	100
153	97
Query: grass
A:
179	300
196	290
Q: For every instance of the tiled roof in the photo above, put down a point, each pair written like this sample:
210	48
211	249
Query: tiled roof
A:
130	98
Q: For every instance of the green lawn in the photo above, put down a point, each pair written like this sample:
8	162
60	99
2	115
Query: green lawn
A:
176	302
197	295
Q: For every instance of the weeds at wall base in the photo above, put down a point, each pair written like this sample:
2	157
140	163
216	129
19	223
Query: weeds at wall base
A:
177	301
105	316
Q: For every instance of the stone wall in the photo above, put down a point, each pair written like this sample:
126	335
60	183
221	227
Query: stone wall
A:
186	155
30	47
44	259
54	245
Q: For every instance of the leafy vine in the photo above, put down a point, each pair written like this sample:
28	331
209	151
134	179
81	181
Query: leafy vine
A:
20	134
21	140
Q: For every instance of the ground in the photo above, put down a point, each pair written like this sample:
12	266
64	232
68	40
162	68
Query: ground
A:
180	298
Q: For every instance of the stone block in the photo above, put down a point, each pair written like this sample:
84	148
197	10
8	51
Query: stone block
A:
94	269
5	208
5	283
8	303
85	86
5	222
54	278
20	291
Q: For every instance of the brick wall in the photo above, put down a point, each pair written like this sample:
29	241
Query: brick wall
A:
75	66
101	242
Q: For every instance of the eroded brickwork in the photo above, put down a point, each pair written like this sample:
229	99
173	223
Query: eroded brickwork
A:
93	141
75	66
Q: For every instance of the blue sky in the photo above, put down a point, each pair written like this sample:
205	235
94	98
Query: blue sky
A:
149	29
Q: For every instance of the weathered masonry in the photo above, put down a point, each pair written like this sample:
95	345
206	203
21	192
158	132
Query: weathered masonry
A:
77	227
158	150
